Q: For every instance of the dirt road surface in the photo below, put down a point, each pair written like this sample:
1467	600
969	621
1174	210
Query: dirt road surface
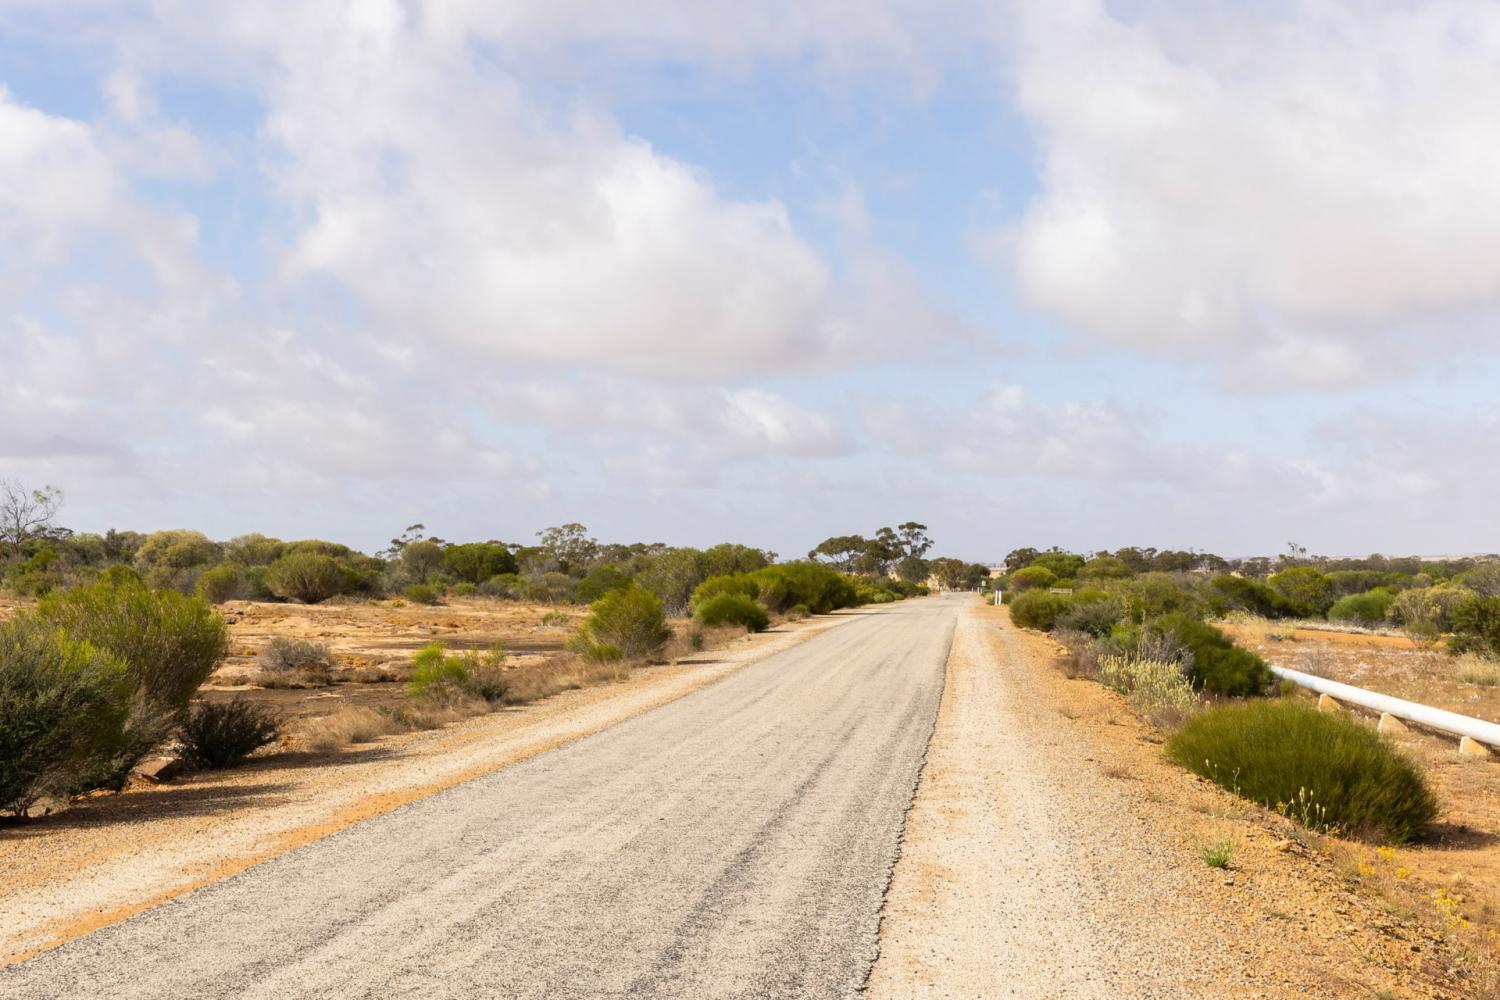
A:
736	842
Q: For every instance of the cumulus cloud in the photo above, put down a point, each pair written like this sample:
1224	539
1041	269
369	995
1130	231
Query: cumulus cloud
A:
1308	189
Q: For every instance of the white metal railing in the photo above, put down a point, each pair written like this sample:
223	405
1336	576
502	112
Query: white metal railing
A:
1422	715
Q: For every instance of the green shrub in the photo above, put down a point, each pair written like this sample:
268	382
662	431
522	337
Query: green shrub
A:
283	653
221	583
507	585
477	562
600	581
1038	609
821	588
1425	613
1095	616
309	577
62	706
38	575
733	609
164	556
434	673
1240	594
1218	664
437	675
423	593
1032	578
1368	609
738	584
221	734
168	643
1327	771
1152	595
629	619
1476	627
1307	592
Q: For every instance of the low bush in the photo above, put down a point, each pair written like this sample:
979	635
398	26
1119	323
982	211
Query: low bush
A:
1326	771
1218	665
436	675
62	706
1236	593
1308	593
465	589
600	581
1425	613
423	593
283	653
309	577
506	585
738	585
221	734
1152	595
821	588
1368	609
1476	627
733	609
1038	609
221	583
630	620
1159	689
1092	617
168	643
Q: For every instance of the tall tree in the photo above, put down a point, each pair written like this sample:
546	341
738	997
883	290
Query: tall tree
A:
27	514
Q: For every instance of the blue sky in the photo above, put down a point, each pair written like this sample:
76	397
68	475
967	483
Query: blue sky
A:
1168	274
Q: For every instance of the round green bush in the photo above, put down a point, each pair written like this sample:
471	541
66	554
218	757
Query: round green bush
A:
1032	578
1368	609
309	577
1326	771
1038	609
733	609
423	593
629	620
739	584
221	583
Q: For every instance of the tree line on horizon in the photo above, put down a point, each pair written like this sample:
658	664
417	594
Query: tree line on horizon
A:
565	564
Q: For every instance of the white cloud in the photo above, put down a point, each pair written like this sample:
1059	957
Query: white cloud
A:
1305	189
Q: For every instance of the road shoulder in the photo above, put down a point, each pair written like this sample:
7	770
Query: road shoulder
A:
1051	852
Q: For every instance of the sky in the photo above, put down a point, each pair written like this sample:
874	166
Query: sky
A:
1194	275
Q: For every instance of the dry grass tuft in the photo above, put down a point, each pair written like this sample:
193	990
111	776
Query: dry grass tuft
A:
1476	669
346	726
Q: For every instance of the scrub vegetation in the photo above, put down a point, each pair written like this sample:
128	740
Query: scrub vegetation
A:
1148	623
103	669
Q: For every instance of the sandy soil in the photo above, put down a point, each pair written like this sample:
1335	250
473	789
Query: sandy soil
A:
116	855
1052	851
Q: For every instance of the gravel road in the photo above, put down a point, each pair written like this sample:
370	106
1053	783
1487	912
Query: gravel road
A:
734	843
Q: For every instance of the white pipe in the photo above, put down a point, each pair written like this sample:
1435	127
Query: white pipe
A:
1423	715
